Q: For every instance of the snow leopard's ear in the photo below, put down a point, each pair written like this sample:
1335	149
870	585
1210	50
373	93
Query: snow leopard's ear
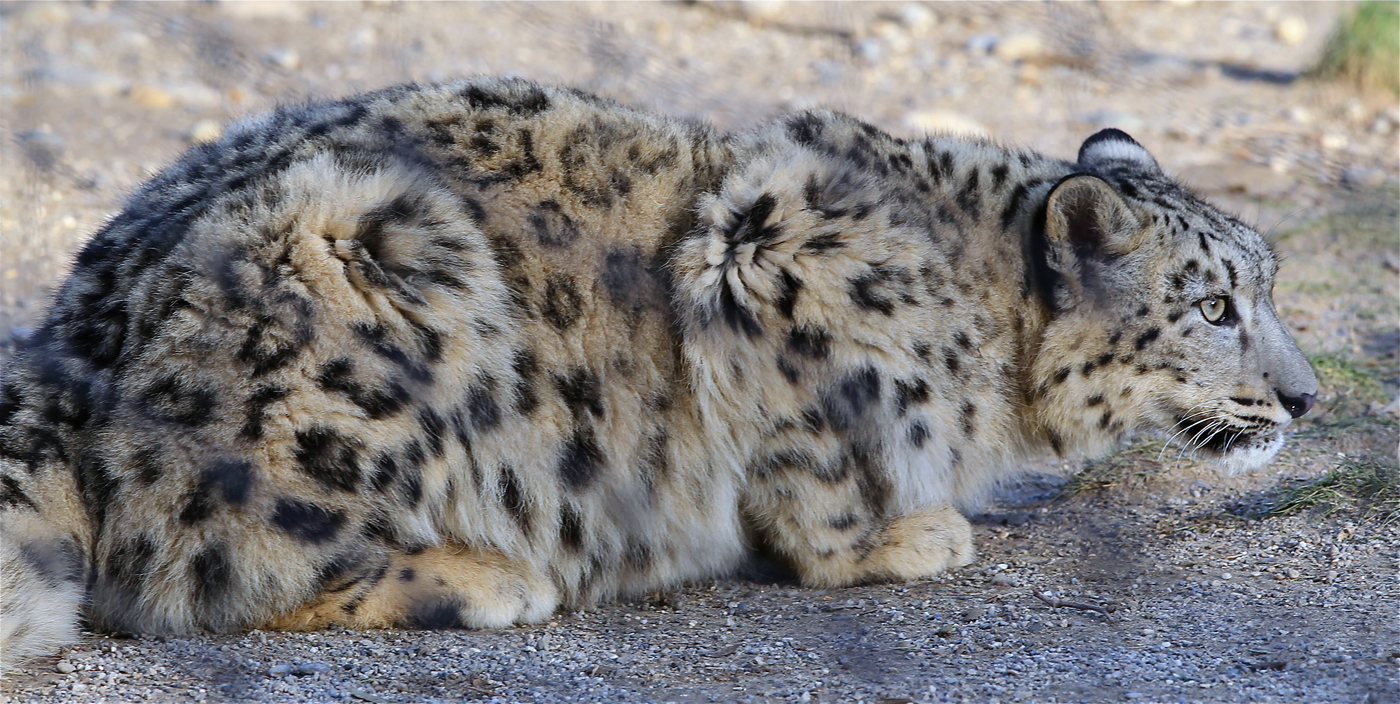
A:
1087	226
1085	214
1115	145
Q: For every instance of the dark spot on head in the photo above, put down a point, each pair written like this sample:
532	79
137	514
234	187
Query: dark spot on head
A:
966	417
1146	338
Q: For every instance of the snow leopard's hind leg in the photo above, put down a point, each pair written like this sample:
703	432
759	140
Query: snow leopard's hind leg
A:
45	532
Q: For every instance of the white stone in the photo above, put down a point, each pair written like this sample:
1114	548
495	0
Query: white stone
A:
1291	30
918	18
287	58
264	10
1018	47
206	131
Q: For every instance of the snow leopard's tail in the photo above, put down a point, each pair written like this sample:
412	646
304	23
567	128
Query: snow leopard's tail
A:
45	529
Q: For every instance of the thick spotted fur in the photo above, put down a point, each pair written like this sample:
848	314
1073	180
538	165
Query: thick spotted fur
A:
461	355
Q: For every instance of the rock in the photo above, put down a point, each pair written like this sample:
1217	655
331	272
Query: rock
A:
1004	580
1362	177
1019	47
1300	115
944	121
64	667
981	43
1332	141
303	669
151	97
287	58
51	13
281	669
264	10
1392	410
1291	30
973	613
869	50
917	18
43	149
195	95
206	131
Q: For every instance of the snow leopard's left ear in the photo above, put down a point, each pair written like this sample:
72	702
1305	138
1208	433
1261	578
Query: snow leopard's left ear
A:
1115	145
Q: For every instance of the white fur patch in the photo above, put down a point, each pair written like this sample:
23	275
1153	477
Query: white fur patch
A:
1117	150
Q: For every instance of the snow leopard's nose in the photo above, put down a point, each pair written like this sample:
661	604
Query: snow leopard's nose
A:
1296	405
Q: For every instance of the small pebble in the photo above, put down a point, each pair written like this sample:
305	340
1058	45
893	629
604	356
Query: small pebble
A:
206	131
1019	47
64	667
1291	30
287	58
149	96
918	18
303	669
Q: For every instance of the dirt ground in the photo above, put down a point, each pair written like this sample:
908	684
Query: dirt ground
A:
1187	586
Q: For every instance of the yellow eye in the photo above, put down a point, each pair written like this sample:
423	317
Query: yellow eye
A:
1214	309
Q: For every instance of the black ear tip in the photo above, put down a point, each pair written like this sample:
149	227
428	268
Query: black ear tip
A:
1112	134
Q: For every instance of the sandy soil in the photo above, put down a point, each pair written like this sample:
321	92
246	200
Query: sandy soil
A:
1211	601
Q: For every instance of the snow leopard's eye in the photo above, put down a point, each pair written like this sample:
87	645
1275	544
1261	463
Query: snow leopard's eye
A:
1215	310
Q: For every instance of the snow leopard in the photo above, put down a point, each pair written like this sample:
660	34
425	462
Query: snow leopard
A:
462	355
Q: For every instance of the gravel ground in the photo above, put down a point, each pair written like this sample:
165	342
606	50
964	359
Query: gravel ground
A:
1180	591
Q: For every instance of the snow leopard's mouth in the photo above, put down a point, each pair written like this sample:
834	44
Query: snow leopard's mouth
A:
1234	447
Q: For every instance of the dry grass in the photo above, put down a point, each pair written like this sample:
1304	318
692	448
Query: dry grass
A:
1354	485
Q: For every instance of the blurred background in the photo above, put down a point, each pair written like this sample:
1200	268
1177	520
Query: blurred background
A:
1286	112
